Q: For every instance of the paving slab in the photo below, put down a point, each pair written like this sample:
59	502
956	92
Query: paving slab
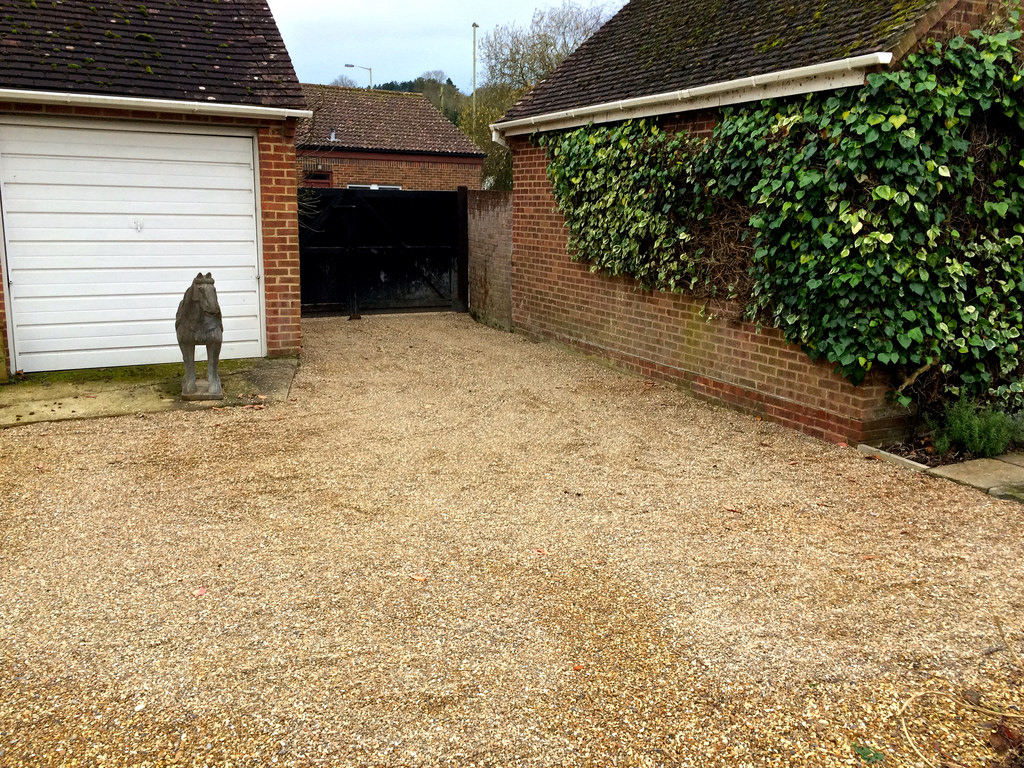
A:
1013	458
251	383
878	453
982	473
1011	492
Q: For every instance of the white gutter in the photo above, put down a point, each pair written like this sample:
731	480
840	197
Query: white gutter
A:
150	105
828	75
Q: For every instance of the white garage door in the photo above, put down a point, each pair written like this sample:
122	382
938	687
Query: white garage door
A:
104	228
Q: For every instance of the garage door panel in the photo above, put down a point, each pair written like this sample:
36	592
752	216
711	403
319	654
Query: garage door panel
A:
112	358
171	253
130	256
120	282
43	205
101	176
56	233
42	310
99	335
113	291
125	142
106	228
113	198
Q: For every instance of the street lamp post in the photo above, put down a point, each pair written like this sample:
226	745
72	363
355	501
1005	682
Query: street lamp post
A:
368	69
475	27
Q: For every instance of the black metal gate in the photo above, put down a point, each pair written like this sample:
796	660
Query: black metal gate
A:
382	250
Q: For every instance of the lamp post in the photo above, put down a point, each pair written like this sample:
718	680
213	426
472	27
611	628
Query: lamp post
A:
368	69
475	27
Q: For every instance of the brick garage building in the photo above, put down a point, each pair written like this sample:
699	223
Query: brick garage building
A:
140	145
389	139
707	54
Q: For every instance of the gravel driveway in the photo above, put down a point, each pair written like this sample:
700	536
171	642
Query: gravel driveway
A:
453	546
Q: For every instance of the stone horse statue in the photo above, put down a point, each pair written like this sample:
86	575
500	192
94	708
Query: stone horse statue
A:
198	321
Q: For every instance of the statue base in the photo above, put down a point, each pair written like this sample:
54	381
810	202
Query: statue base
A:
202	393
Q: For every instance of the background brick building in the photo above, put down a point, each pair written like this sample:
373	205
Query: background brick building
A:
388	139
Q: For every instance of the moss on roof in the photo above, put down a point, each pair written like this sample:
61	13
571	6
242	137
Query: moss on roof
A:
660	46
184	50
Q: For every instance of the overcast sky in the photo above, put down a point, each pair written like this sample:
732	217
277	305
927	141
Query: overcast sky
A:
399	39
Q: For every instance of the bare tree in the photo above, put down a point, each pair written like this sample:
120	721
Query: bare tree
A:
345	80
515	59
519	58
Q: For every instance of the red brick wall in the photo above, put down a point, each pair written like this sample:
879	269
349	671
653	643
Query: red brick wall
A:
279	203
276	146
948	19
664	335
412	172
490	257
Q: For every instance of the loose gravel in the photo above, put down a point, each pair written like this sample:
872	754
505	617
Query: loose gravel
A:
453	546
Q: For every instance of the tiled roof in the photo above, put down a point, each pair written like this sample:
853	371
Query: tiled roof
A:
660	46
379	121
228	51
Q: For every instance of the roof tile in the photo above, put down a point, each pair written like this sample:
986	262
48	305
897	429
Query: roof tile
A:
229	51
390	121
660	46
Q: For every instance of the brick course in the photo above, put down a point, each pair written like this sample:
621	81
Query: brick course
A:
278	201
410	172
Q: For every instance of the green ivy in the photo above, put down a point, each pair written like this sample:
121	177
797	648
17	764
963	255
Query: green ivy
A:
881	226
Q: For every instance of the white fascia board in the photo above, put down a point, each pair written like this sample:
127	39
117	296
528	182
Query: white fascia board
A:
829	75
150	105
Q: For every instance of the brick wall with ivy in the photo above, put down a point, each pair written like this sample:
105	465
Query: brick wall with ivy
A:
628	295
666	335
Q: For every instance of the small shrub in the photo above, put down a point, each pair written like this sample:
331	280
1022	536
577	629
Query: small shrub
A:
981	432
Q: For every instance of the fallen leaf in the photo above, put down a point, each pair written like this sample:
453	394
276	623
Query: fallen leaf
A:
869	557
418	577
999	742
200	592
577	667
540	551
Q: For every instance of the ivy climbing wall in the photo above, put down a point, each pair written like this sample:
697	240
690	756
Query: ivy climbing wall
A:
666	336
